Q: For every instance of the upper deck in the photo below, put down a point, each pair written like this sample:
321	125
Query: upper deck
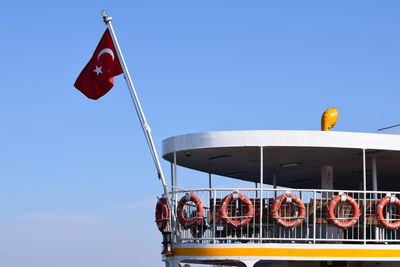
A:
236	154
308	171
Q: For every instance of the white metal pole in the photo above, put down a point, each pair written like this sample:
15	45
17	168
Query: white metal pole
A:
175	196
172	177
261	189
315	216
374	176
375	188
209	194
365	195
175	173
145	126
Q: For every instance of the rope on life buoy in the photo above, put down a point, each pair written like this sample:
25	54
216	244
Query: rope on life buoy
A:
162	213
296	221
243	220
350	222
379	212
188	222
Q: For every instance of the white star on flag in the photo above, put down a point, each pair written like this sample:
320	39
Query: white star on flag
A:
98	70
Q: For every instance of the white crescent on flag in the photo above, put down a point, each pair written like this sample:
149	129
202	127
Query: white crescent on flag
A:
106	50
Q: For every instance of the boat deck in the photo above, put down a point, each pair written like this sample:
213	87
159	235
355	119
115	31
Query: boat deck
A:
289	213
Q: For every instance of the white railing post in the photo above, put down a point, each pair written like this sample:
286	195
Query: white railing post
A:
214	212
315	217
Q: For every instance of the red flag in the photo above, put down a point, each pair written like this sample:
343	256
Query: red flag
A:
96	79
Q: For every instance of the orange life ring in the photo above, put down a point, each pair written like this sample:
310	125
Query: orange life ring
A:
298	202
162	213
187	222
379	212
245	219
331	211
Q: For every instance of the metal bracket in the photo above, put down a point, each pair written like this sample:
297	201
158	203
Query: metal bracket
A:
235	195
187	197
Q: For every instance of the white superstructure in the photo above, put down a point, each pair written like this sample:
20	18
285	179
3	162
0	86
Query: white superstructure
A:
313	166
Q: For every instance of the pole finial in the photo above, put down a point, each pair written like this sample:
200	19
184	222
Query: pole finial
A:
106	18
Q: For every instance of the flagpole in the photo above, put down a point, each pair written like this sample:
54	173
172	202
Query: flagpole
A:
145	126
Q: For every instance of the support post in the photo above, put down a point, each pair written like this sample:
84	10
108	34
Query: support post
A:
174	177
261	190
209	197
214	215
175	198
374	176
315	217
375	188
256	197
173	230
365	196
327	179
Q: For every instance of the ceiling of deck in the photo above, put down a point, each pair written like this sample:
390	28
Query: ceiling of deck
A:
243	162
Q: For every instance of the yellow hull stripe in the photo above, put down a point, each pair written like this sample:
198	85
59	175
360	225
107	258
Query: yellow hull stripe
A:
287	252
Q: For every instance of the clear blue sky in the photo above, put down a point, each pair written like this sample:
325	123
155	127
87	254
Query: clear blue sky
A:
77	184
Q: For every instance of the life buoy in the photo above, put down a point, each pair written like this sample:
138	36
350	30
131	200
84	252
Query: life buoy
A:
379	212
245	218
162	213
287	197
188	222
331	211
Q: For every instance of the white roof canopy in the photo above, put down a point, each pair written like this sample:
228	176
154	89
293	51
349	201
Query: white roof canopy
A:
236	154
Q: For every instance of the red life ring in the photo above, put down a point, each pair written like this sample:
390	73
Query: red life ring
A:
162	213
187	222
245	219
379	212
331	211
294	199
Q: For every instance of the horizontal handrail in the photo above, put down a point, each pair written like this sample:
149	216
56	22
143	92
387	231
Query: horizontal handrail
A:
389	127
238	189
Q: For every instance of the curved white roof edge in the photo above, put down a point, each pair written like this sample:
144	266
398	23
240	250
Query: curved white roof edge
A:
282	139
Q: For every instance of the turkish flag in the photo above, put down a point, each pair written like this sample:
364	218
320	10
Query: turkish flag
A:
96	79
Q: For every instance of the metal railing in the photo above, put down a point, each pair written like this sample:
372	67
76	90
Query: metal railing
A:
395	129
316	226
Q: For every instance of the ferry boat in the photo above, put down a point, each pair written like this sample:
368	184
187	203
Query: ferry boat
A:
315	198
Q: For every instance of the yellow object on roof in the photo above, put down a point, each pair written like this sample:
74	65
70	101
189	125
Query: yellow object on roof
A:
329	119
